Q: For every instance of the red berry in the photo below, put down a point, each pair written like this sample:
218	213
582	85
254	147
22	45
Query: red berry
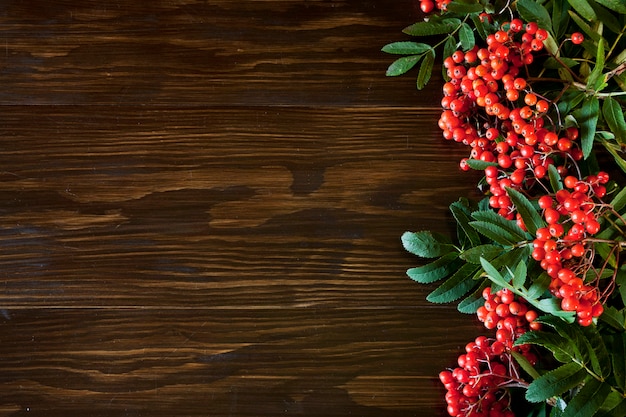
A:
577	38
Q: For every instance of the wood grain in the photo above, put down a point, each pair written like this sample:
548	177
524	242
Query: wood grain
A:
200	211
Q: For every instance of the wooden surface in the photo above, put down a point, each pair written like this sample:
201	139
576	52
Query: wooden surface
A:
200	211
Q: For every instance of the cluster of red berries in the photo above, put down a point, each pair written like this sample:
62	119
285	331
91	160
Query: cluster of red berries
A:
478	386
509	315
562	247
488	106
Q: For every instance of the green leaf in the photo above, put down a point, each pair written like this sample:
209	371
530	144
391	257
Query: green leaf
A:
539	286
480	165
532	11
466	36
555	178
426	69
456	286
614	117
511	228
480	26
464	8
494	232
618	350
556	344
493	274
435	270
552	63
402	65
406	48
616	5
432	27
614	151
553	307
596	78
594	350
472	302
614	318
584	9
526	366
555	382
560	18
588	400
487	251
519	275
587	116
530	216
619	201
461	213
426	244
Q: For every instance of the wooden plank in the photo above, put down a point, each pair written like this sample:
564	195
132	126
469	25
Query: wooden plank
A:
223	208
331	362
214	52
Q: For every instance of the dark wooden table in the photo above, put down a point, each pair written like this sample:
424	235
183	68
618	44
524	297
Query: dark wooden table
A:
200	211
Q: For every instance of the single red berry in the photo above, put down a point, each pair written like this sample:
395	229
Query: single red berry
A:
577	38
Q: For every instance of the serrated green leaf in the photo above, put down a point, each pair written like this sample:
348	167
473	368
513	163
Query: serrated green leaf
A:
432	27
594	350
530	216
584	9
406	48
587	117
532	11
487	251
435	270
616	5
466	36
555	382
472	302
456	286
614	117
461	214
519	275
555	178
426	69
402	65
494	232
427	244
556	344
588	400
464	8
509	226
493	274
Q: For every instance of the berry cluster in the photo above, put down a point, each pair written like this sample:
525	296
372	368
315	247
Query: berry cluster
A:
572	216
488	106
479	385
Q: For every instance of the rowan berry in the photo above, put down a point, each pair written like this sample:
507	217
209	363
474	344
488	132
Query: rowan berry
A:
577	38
